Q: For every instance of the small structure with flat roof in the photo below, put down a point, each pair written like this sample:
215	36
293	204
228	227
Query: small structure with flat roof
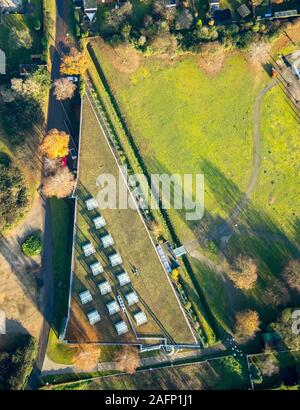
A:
93	317
99	222
104	287
140	318
85	297
96	268
243	11
107	241
121	327
115	259
132	298
88	249
123	278
91	204
113	307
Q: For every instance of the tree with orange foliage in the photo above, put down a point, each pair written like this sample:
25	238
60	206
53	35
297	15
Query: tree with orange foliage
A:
55	144
127	359
87	357
244	274
60	185
74	63
247	324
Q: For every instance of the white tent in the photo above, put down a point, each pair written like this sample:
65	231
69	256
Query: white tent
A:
93	317
107	241
88	249
104	287
96	268
123	278
99	222
115	259
140	318
113	307
132	298
85	297
91	204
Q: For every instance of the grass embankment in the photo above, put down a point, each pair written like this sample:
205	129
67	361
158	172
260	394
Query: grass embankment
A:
62	233
219	374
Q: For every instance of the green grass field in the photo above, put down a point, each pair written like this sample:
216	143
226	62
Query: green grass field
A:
184	121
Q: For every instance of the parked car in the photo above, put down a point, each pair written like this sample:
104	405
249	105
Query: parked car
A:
63	162
72	78
73	153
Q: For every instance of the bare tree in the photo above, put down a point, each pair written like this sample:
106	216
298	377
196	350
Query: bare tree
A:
127	360
50	166
20	38
269	365
59	185
291	274
87	357
64	89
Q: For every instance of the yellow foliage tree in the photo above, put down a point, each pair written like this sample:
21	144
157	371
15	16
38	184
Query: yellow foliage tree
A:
247	324
75	63
55	144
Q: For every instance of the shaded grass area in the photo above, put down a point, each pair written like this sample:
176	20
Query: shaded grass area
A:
62	234
223	374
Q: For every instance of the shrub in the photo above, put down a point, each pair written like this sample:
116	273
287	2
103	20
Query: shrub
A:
13	192
32	246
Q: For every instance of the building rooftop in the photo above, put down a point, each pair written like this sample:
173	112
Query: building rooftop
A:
96	268
88	249
115	259
107	241
132	298
104	287
113	307
99	222
123	278
93	317
140	318
85	297
121	327
91	204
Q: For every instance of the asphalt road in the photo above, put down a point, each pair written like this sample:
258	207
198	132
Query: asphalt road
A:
58	117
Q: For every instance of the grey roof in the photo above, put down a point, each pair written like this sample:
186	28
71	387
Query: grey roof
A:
113	307
91	204
96	268
93	317
115	259
99	222
107	241
85	297
88	249
104	287
123	278
132	298
140	318
121	327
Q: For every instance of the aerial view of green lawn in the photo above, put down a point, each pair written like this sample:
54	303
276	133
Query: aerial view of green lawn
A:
165	318
186	120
